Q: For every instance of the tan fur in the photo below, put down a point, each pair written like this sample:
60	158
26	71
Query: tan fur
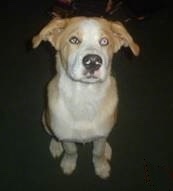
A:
82	103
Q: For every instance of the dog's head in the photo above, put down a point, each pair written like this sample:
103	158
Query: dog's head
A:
86	46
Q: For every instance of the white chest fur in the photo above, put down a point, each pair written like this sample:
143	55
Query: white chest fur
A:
77	109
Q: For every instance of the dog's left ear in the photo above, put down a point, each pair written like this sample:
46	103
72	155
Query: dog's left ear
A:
49	32
124	37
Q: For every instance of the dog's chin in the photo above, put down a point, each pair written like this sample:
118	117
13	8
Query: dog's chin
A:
90	80
87	79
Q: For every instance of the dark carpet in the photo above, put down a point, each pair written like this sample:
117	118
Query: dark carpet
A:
145	126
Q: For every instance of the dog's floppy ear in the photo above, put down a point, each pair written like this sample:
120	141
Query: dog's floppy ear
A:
125	38
49	32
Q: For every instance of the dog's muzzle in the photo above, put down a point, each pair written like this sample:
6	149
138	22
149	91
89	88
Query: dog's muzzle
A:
92	62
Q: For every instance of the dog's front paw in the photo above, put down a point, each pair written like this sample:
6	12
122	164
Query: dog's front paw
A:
102	167
108	151
55	148
68	163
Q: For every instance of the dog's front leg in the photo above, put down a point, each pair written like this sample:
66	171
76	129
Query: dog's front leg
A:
101	154
68	162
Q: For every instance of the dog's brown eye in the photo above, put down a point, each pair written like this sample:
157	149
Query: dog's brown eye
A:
104	41
74	40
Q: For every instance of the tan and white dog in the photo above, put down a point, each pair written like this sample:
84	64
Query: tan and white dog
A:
82	96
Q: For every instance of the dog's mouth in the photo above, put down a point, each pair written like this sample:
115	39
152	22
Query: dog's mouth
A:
90	74
91	77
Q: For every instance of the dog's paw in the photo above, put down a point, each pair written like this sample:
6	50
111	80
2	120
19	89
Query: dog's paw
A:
108	151
68	163
55	148
102	167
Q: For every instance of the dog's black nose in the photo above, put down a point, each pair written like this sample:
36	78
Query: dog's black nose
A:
92	62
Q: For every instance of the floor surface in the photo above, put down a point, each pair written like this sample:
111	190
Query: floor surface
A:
144	130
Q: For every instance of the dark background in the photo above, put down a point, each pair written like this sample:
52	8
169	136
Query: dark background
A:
145	127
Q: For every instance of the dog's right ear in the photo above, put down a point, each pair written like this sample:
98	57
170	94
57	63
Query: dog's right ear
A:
49	32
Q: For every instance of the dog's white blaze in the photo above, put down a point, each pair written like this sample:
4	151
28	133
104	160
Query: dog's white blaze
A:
91	34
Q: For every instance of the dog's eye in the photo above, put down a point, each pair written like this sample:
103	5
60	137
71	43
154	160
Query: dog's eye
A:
104	41
74	40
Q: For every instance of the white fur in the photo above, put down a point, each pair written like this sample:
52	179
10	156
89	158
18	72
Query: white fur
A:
102	167
68	163
55	148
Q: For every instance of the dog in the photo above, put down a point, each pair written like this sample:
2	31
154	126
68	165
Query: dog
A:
82	97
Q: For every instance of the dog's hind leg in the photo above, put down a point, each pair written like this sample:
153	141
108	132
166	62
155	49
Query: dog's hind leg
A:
55	148
44	122
101	154
69	160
